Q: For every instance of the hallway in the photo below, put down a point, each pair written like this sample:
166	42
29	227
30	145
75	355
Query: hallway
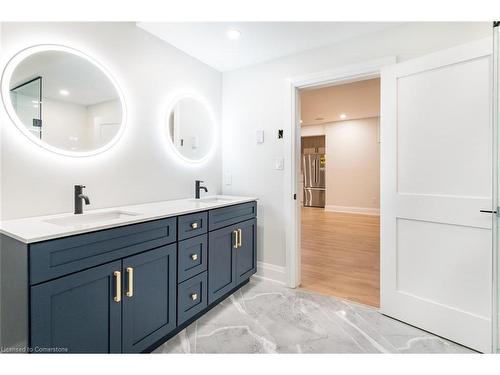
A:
341	255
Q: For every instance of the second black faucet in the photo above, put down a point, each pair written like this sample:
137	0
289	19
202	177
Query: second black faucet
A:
198	187
79	197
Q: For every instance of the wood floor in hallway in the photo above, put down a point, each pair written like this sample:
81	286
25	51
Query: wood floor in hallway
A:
341	255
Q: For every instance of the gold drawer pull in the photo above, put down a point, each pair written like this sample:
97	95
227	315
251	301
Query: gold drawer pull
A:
194	296
194	225
239	237
194	256
235	245
118	286
130	273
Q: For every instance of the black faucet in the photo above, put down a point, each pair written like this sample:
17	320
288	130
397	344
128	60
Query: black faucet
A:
197	188
79	196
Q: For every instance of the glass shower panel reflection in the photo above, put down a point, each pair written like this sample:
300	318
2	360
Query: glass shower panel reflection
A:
26	99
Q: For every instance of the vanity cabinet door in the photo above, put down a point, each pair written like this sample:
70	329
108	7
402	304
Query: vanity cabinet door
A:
246	254
77	313
221	262
149	297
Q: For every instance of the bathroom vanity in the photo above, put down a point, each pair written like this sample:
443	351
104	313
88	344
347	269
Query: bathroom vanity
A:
122	280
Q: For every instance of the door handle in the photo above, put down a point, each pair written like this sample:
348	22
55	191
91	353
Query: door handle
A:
239	237
118	286
130	273
488	212
235	245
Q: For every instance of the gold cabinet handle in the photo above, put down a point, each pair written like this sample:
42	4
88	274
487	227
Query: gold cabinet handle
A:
118	286
194	256
239	237
194	225
235	245
130	274
194	296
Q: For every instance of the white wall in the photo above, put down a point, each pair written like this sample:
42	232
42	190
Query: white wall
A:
254	98
108	112
312	130
140	168
65	124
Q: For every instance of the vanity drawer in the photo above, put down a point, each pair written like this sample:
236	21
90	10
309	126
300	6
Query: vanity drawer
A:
191	297
192	225
55	258
192	257
222	217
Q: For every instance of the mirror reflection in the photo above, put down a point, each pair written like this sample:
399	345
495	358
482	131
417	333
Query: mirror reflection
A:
191	129
65	101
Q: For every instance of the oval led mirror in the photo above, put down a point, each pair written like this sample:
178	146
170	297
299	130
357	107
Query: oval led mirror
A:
191	129
63	100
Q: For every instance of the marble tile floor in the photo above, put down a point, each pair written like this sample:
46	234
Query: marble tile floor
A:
266	317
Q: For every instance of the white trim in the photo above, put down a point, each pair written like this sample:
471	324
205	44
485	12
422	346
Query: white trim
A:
495	232
353	210
270	272
345	74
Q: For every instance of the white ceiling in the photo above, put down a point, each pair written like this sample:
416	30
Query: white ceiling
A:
259	41
86	83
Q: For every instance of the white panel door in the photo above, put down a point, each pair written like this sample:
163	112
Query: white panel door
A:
436	250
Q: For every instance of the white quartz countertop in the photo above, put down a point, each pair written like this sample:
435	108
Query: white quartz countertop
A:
40	228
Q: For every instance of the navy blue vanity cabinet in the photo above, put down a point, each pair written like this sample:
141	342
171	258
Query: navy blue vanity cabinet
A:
246	253
130	288
149	297
222	244
192	297
78	313
232	248
192	257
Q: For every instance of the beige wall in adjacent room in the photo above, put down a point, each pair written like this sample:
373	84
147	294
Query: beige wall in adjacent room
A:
352	146
352	164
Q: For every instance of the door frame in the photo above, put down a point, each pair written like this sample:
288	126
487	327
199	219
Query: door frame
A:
337	76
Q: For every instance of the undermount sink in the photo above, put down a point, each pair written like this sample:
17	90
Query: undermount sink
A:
212	200
90	218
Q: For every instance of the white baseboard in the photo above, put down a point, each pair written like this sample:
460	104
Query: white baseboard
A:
354	210
271	272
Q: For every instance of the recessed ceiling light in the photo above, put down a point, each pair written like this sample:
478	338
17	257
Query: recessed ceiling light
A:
64	92
343	116
233	34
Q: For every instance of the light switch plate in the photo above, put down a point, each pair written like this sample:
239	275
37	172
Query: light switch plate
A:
228	178
259	136
279	164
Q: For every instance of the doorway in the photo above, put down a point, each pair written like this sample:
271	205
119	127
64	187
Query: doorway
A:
340	183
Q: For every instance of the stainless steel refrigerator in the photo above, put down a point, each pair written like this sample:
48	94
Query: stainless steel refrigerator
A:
313	170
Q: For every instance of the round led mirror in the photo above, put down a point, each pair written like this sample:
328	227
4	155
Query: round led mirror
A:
191	129
63	100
